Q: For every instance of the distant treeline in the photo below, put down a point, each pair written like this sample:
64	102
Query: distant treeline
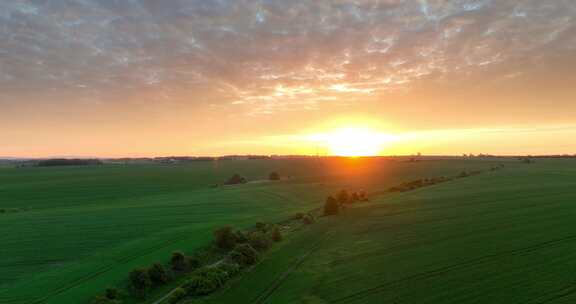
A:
67	162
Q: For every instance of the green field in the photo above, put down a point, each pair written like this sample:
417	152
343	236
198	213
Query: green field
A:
500	237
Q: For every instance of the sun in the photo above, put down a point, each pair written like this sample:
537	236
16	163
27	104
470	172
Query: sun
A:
354	141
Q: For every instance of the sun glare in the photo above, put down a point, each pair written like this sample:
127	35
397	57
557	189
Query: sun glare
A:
354	141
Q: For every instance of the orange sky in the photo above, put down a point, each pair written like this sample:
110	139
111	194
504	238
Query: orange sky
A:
108	78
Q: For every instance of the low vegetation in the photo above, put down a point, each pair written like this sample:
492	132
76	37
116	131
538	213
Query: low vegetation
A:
235	179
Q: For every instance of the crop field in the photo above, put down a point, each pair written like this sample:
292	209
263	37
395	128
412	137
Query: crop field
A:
500	237
69	232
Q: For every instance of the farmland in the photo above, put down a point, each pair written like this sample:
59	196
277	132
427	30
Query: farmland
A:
500	237
497	236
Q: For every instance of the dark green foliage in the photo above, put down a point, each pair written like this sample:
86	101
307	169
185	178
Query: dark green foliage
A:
192	262
140	281
229	269
111	296
235	180
158	274
225	238
112	293
177	295
331	207
105	300
274	176
259	241
243	255
263	227
178	261
276	234
205	282
308	219
241	237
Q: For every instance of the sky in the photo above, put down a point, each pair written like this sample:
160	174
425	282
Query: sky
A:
197	77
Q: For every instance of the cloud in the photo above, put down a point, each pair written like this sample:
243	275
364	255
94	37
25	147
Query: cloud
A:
271	54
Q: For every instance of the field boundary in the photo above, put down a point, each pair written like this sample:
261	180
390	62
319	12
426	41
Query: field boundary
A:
284	275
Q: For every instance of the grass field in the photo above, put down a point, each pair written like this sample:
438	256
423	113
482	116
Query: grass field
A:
500	237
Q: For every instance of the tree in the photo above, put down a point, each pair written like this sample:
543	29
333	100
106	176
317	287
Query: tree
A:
276	234
178	261
343	197
112	293
331	207
355	197
259	241
140	281
263	227
225	238
205	281
192	262
235	179
363	196
158	274
308	219
274	176
243	255
177	295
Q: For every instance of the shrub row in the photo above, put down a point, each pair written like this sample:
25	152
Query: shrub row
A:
334	203
241	249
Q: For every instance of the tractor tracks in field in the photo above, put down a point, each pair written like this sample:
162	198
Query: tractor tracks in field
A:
392	249
472	262
556	295
277	282
119	261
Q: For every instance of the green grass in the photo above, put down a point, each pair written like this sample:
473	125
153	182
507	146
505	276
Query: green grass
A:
501	237
85	228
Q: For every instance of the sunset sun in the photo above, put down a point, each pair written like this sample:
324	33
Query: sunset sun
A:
354	141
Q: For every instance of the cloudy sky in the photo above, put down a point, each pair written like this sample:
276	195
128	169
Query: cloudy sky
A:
148	77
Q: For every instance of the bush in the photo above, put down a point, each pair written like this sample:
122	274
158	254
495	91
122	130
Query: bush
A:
331	207
140	281
158	274
235	180
263	227
178	261
299	216
274	176
354	197
205	282
192	262
177	295
225	238
308	219
241	237
229	269
259	241
343	197
362	196
276	234
243	255
112	293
